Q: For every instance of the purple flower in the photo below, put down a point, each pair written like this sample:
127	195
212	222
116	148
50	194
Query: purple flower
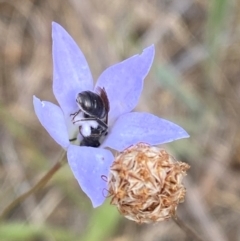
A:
123	83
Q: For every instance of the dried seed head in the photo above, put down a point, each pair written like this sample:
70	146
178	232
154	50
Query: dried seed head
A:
145	183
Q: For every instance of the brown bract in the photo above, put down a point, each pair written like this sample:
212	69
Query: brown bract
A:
145	183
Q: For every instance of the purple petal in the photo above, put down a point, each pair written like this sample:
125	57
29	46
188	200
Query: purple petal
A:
135	127
52	119
71	73
89	165
123	82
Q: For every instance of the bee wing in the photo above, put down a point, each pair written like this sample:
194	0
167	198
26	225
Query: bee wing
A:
102	93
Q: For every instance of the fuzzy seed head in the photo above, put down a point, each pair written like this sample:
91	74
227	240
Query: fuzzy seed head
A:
145	183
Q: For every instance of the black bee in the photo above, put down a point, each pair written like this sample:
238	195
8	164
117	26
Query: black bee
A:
95	107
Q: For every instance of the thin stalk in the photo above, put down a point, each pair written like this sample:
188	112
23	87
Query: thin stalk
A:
40	184
189	232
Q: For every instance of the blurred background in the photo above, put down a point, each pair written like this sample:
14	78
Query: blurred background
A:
194	82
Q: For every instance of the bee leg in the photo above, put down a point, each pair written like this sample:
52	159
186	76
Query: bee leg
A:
73	139
75	114
103	125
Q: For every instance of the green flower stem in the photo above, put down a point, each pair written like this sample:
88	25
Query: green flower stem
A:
42	182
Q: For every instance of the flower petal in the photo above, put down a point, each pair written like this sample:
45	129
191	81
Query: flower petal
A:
52	119
89	165
71	73
135	127
123	82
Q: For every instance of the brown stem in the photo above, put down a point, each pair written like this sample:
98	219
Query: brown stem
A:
41	183
186	229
